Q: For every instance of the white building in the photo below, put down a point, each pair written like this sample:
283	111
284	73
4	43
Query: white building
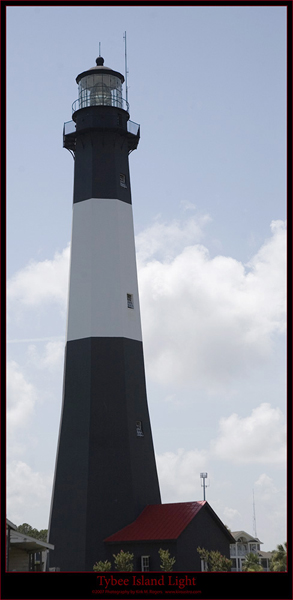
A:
244	544
24	553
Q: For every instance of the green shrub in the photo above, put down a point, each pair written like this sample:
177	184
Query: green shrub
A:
167	561
123	561
102	566
214	560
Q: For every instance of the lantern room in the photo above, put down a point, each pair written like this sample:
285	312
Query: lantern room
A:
100	86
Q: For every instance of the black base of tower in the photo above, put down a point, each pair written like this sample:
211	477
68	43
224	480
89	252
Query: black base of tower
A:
105	472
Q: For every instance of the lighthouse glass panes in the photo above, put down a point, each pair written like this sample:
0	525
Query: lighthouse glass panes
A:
100	89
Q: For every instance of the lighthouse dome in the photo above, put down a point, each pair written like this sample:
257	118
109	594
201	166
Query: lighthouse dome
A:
100	68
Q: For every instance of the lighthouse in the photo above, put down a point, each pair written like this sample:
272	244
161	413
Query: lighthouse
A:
105	472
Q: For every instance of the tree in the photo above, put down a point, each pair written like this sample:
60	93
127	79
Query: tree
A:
27	529
123	561
43	535
102	566
214	560
251	562
167	561
279	558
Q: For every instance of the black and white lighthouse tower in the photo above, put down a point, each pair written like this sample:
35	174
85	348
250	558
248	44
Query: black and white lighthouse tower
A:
105	470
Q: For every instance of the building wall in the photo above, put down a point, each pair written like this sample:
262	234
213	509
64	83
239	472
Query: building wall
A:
142	549
205	532
18	560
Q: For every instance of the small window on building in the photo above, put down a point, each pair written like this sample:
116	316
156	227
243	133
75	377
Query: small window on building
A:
145	563
130	301
203	565
123	180
139	431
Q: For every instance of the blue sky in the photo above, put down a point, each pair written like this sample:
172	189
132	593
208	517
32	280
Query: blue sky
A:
208	87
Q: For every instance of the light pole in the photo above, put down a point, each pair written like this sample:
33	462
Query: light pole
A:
203	476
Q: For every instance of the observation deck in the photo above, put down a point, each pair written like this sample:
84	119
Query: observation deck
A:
100	95
69	135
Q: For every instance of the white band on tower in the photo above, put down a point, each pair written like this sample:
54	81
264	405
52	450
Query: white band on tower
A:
103	294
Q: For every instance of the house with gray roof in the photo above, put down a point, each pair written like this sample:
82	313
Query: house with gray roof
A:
244	544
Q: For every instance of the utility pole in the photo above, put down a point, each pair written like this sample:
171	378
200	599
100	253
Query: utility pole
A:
203	476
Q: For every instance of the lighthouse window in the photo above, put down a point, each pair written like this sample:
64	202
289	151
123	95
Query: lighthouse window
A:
145	563
139	431
123	180
130	301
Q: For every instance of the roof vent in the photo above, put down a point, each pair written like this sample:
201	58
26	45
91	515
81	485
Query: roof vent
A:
99	61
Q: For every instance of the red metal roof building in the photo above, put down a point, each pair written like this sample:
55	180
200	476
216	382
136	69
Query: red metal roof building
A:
180	527
159	522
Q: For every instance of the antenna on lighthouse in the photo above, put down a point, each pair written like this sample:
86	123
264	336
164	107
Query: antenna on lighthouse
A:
99	48
126	71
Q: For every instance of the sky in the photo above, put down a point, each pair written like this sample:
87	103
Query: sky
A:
208	86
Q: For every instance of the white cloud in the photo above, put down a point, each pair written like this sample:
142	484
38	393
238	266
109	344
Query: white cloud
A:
179	474
166	239
265	487
266	282
205	321
27	491
258	438
208	321
187	205
21	397
41	282
52	357
231	514
270	507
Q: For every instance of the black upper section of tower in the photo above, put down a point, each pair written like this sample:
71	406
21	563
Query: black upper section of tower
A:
101	136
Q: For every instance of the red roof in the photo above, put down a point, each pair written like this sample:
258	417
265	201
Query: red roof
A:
159	522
